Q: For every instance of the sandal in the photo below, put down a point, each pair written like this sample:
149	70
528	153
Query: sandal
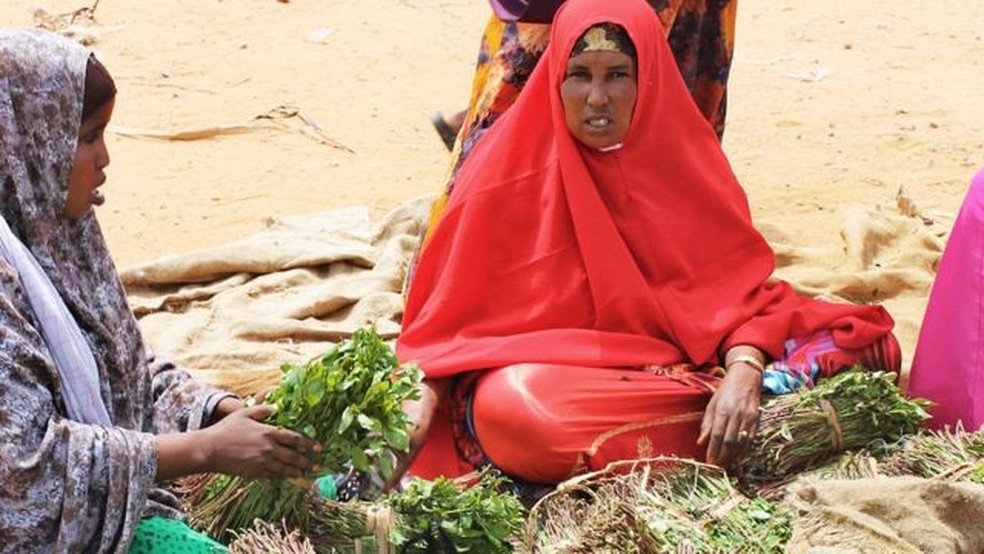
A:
448	136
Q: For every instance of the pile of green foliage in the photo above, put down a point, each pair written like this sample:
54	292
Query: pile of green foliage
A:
439	516
849	411
349	400
474	516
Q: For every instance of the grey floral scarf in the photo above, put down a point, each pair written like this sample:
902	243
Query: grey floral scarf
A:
67	485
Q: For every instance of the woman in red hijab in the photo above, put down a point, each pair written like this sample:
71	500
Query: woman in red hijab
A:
595	289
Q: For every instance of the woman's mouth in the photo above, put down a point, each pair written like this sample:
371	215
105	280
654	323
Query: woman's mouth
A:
599	122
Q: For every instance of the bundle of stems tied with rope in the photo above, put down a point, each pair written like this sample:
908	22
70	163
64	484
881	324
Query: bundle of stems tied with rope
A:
848	411
471	514
350	401
951	454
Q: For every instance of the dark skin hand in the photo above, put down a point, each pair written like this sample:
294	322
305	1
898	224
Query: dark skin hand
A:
225	407
731	418
238	444
421	414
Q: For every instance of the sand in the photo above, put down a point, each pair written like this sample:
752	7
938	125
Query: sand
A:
833	104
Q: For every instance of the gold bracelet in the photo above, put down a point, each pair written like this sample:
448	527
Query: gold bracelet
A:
747	359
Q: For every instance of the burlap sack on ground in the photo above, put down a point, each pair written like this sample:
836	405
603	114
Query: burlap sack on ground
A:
886	254
293	289
287	293
887	515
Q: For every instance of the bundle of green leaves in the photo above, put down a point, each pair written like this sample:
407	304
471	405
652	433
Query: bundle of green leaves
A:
427	516
698	510
849	411
349	400
438	516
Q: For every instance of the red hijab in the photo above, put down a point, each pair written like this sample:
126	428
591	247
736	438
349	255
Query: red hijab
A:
552	252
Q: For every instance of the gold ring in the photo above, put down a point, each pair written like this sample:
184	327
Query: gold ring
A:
743	434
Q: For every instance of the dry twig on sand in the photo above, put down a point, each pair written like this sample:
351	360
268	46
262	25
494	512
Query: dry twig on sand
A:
282	118
77	24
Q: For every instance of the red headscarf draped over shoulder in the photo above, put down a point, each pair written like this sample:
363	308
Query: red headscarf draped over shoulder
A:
552	252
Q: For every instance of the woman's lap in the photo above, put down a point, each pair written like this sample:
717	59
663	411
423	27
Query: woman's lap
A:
547	422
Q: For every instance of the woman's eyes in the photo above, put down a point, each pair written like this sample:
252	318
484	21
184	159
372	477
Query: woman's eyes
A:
91	137
586	75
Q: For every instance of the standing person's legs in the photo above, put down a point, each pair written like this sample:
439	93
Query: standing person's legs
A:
949	363
701	34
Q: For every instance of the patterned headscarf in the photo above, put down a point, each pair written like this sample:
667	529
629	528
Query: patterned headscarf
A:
40	113
605	37
68	485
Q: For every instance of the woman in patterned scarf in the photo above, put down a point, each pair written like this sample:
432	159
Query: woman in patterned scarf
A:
92	422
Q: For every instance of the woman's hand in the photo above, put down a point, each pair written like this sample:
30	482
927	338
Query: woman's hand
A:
239	444
421	414
242	445
732	415
225	407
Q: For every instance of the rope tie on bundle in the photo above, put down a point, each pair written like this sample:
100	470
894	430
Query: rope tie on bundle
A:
836	434
379	522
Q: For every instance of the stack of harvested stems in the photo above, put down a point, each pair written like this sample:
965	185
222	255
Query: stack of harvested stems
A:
849	411
427	516
264	538
350	400
655	505
950	455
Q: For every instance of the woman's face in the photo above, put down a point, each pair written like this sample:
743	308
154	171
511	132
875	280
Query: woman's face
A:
91	157
599	95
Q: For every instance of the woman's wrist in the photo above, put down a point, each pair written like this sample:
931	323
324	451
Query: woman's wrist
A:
224	407
181	454
745	355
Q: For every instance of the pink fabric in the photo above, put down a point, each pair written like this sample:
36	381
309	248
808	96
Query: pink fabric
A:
948	367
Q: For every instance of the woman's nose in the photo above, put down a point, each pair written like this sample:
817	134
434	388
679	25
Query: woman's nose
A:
598	95
103	156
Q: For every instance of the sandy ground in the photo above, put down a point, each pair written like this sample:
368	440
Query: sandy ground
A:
833	103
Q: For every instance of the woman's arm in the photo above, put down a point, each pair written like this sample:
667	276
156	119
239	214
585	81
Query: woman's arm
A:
224	407
421	412
239	444
731	418
203	429
180	402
